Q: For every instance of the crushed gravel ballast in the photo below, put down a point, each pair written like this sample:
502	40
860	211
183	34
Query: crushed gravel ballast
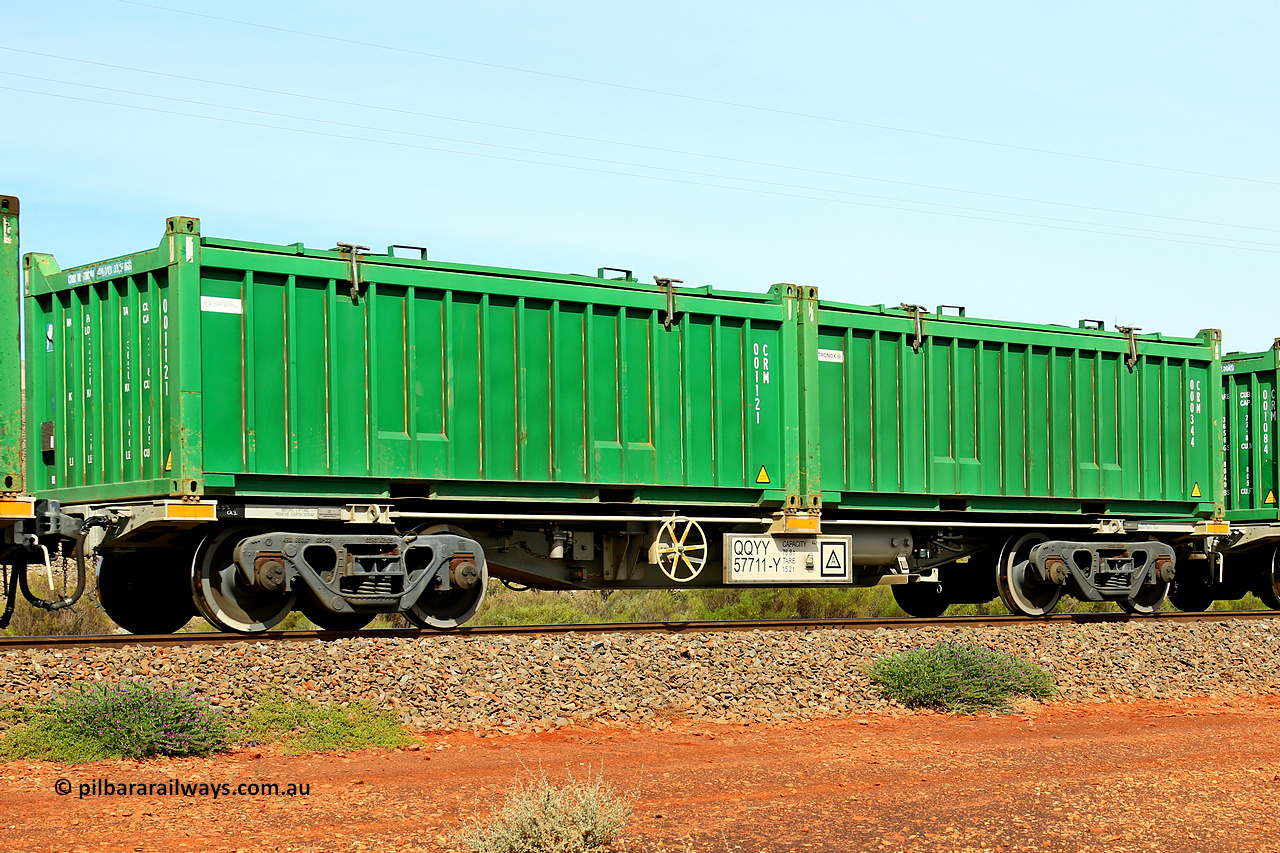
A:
542	682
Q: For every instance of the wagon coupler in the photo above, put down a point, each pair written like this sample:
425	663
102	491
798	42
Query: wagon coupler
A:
50	525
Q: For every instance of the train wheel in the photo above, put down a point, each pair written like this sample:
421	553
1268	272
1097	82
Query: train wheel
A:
437	608
333	621
221	595
924	600
1022	592
145	591
1150	596
1191	590
1268	588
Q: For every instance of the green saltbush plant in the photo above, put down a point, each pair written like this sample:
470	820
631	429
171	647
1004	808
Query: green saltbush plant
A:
302	727
538	817
959	677
133	719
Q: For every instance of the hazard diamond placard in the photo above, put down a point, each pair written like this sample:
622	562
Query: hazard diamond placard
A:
833	556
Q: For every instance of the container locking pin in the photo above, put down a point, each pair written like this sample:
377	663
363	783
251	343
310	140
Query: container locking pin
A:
353	250
669	284
917	314
1130	360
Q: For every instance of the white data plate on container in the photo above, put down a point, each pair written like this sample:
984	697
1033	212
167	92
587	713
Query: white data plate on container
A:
767	559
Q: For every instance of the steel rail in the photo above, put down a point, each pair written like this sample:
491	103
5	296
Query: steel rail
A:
857	624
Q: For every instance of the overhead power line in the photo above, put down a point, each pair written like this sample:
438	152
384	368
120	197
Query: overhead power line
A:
622	143
625	164
696	98
1221	243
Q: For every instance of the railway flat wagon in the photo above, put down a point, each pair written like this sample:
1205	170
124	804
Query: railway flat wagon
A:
243	429
279	417
994	439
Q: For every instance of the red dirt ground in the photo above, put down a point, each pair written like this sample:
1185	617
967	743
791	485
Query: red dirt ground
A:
1196	775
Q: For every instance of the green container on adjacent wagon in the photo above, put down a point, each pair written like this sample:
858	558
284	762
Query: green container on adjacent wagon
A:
10	373
933	410
219	367
1251	479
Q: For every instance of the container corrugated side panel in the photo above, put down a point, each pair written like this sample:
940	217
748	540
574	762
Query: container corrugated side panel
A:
484	383
1251	479
1013	417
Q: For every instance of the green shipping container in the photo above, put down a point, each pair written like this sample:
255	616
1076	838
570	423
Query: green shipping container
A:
218	367
931	411
1251	480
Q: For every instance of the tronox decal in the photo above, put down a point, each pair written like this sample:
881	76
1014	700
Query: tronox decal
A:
221	305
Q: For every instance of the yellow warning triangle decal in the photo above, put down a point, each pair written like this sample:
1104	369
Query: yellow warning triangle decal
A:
763	476
1271	497
1195	490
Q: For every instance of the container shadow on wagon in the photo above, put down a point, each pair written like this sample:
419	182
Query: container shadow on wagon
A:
243	430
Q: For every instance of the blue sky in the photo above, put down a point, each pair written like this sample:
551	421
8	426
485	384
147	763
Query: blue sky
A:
1031	161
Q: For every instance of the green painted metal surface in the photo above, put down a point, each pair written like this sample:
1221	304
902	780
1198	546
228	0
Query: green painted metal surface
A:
977	414
11	479
211	366
1251	473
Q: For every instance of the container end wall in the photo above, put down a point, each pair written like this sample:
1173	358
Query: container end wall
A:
10	349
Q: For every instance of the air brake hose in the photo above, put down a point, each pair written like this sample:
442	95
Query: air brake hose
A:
60	603
11	595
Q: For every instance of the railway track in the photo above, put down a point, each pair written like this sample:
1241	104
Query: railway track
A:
865	624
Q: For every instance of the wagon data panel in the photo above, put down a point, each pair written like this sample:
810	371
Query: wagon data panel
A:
764	559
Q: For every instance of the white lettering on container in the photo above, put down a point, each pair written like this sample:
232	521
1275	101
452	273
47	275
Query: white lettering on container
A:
107	270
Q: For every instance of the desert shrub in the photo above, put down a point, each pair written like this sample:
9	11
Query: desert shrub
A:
789	603
1249	602
538	817
535	607
134	719
86	616
301	726
959	677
